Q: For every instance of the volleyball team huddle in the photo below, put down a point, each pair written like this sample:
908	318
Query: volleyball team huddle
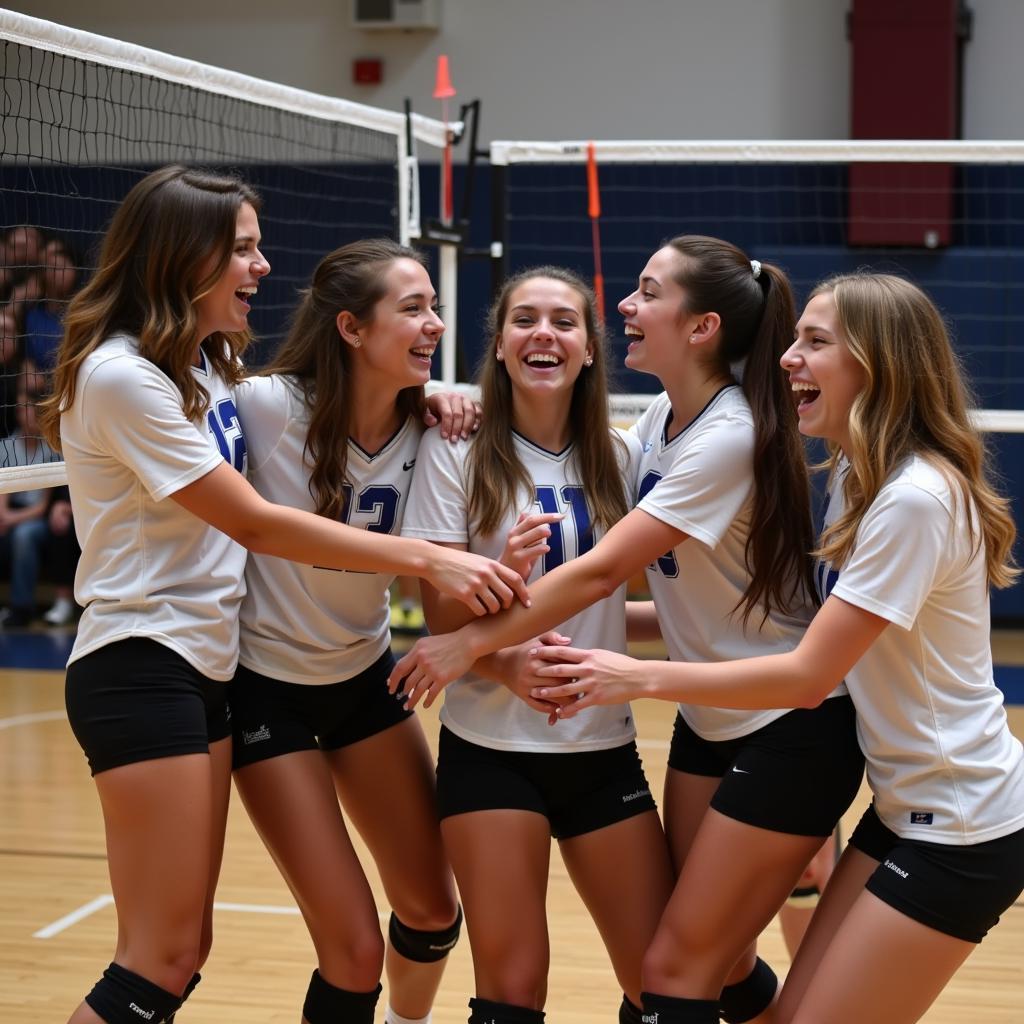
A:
239	535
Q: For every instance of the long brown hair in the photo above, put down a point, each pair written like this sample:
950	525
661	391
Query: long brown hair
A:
353	279
154	264
758	317
498	476
916	401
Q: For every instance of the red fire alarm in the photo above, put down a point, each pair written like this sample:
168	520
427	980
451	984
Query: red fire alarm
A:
367	71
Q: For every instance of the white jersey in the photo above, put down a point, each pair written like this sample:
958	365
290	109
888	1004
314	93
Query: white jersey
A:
702	482
941	761
483	711
304	623
148	567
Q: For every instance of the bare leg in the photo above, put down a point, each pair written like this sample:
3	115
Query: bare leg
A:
880	966
501	862
292	803
163	819
624	875
795	919
844	888
395	814
687	799
731	885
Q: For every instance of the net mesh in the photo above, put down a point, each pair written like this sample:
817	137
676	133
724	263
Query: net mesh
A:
955	226
78	133
948	215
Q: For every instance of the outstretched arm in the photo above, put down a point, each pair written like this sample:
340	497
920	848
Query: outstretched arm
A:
225	499
634	542
834	642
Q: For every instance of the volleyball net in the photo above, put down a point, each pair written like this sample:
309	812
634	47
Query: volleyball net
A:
947	215
85	117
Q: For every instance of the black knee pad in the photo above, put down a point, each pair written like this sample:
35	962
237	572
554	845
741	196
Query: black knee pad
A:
749	997
189	989
484	1011
672	1010
326	1004
124	997
628	1013
424	947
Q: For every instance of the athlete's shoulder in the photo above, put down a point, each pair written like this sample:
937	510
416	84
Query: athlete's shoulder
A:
275	393
920	485
437	448
115	370
730	405
652	419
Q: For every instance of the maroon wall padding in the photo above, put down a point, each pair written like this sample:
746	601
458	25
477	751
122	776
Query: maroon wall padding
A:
906	85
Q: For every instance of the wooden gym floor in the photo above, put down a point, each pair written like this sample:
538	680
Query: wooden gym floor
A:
57	920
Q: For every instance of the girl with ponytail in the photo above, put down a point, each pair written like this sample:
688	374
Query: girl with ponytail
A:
722	526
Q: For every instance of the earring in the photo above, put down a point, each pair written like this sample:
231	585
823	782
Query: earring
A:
588	361
499	357
356	343
693	337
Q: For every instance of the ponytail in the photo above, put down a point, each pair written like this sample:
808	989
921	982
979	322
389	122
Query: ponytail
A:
754	301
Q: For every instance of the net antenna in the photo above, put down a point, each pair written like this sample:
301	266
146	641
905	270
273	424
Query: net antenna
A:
85	117
594	212
449	269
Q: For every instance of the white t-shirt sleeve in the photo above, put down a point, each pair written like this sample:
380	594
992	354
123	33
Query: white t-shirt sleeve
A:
437	508
134	415
709	483
901	552
264	407
629	460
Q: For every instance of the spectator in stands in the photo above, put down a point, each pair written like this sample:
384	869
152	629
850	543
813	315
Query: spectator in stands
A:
10	363
20	251
24	526
58	277
62	558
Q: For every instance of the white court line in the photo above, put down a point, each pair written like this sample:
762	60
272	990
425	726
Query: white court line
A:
107	900
74	917
38	716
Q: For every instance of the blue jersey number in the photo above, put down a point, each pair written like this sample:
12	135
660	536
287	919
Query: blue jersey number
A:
825	576
378	500
226	428
667	564
573	498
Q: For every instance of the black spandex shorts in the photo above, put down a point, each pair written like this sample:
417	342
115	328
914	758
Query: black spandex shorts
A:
137	700
271	718
796	775
578	792
957	890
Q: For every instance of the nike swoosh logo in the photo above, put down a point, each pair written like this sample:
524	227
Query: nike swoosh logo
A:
740	771
408	465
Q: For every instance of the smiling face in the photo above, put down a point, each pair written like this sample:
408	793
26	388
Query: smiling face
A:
397	344
825	375
225	307
655	316
543	341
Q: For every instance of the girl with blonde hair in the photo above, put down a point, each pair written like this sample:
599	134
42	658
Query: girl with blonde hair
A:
914	536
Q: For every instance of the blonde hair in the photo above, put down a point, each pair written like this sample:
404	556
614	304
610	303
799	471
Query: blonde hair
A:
916	401
154	265
497	474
